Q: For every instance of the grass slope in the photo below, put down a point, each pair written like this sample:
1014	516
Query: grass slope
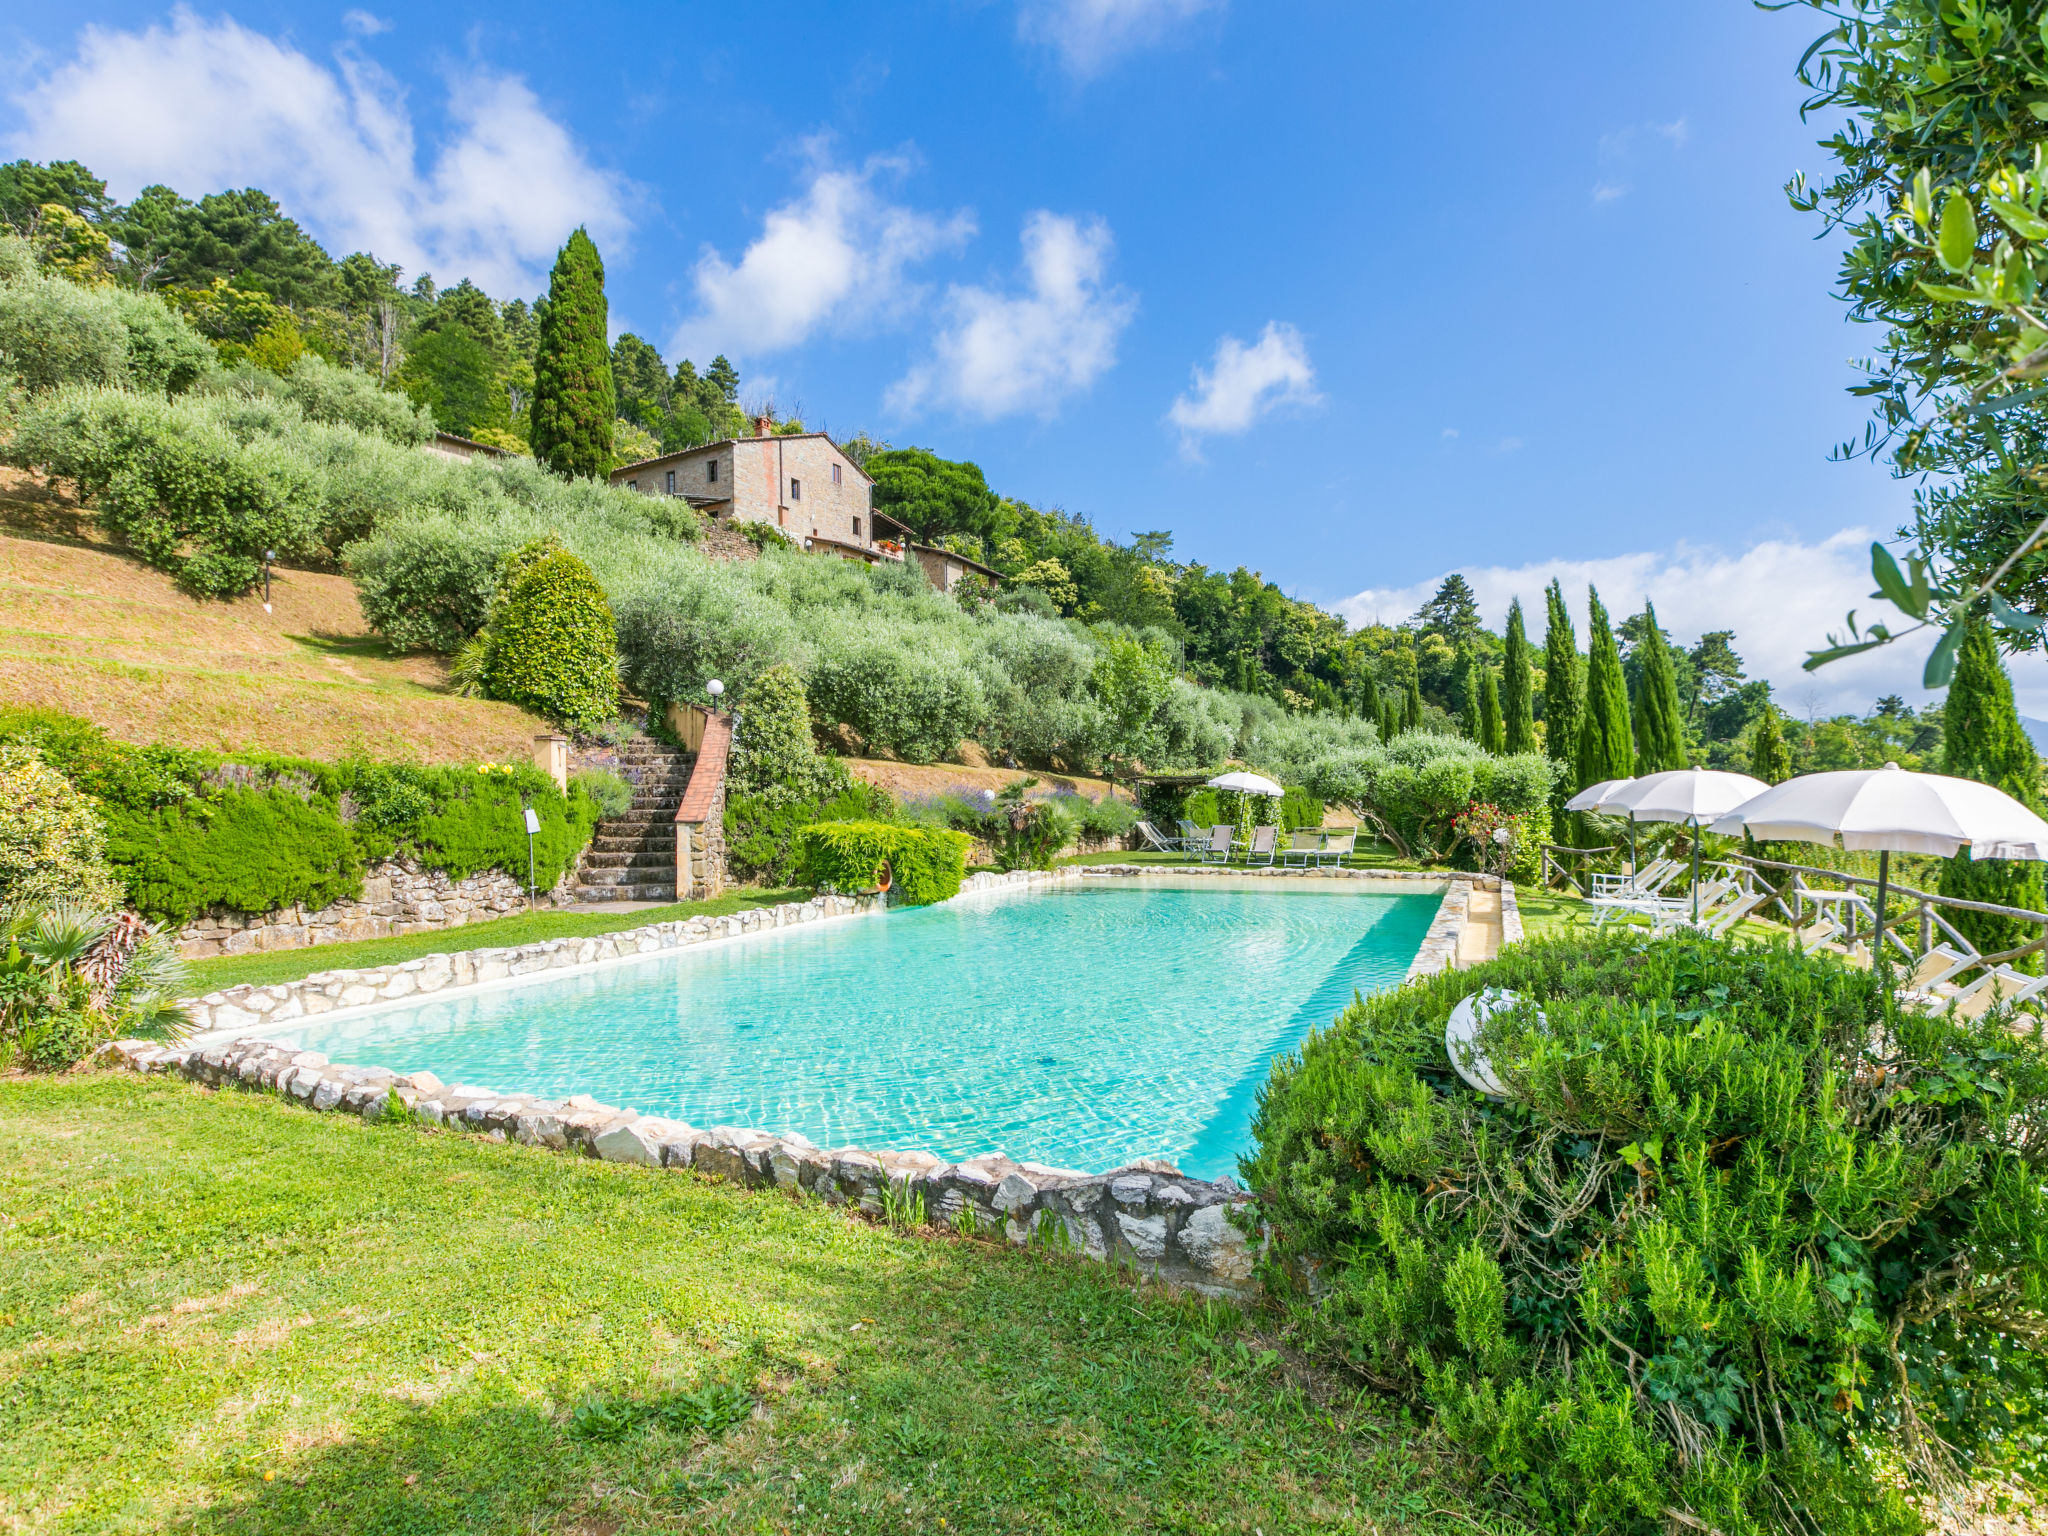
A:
87	629
220	1313
521	928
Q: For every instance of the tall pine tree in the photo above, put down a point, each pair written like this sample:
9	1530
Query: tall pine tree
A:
1659	717
1490	736
1606	748
1982	739
573	402
1517	687
1564	698
1411	706
1768	758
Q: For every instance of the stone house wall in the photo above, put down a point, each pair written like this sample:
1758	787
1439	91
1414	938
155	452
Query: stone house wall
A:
700	819
398	897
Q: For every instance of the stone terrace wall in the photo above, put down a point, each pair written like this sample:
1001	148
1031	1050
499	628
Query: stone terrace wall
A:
398	897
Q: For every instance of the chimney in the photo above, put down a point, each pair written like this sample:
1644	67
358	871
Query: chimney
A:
764	425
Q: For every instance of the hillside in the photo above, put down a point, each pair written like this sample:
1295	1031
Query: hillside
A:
90	630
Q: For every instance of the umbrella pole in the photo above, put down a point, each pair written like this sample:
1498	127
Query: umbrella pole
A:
1884	873
1633	868
1695	871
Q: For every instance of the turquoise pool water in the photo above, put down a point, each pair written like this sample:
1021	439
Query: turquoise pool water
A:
1082	1027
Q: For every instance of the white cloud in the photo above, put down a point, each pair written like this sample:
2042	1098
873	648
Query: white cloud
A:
1245	383
1006	354
206	105
1619	152
365	24
1781	598
834	256
1089	35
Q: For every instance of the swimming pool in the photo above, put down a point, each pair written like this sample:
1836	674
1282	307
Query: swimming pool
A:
1082	1025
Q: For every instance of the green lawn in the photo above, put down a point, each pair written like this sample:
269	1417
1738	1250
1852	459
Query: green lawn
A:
524	928
223	1314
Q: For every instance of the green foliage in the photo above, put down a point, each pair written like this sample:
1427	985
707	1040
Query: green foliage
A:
246	849
54	332
1298	809
1606	749
52	842
1564	692
1658	718
551	644
1412	790
1768	759
761	830
1983	740
773	752
609	795
924	865
452	374
1737	1227
934	497
72	974
913	707
573	402
1492	730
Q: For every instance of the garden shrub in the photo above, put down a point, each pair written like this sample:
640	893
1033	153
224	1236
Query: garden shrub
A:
1412	790
72	975
337	396
1298	809
1739	1243
253	850
52	843
609	794
925	865
54	332
907	700
761	832
552	647
773	751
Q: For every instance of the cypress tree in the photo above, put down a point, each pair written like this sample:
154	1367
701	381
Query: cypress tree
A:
1768	759
573	401
1659	718
1411	707
1470	691
1390	720
1563	691
1368	697
1517	694
1982	739
1606	750
1490	736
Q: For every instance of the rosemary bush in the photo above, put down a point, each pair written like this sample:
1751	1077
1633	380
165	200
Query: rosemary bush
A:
1739	1252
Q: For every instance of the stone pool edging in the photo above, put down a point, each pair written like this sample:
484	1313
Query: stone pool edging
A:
1146	1215
249	1005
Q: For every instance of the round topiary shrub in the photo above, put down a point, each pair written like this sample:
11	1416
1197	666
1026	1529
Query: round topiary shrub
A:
552	645
52	842
1741	1250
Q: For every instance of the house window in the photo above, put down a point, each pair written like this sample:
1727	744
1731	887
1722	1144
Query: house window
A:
796	490
671	482
711	470
632	485
835	474
856	527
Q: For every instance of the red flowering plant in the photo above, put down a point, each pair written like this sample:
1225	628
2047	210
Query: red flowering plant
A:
1481	824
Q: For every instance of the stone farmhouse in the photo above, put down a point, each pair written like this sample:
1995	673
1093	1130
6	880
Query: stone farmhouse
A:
800	482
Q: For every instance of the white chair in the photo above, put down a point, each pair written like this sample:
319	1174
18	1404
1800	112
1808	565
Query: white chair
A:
1216	849
1264	844
1302	847
1647	881
1337	847
1156	840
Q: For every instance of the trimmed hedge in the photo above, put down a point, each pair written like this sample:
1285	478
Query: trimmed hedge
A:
189	831
1740	1240
925	866
552	645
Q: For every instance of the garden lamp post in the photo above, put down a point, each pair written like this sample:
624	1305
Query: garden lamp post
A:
532	827
716	689
268	556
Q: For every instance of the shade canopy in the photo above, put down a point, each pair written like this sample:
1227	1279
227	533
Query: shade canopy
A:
1685	794
1891	810
1597	797
1247	784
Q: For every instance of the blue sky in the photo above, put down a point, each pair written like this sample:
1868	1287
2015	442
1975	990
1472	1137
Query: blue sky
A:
1352	294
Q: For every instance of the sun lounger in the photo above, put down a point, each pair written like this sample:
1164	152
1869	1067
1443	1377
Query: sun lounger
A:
1815	933
1156	840
1337	847
2003	986
1937	969
1215	849
1265	841
1719	922
1644	882
1302	848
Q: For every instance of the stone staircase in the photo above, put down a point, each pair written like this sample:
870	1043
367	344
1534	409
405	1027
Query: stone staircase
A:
632	857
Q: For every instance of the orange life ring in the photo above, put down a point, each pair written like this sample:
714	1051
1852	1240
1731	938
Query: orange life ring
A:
884	877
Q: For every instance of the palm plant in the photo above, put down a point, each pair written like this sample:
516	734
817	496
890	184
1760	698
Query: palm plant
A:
73	975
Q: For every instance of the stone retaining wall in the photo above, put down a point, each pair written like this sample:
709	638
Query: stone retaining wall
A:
398	897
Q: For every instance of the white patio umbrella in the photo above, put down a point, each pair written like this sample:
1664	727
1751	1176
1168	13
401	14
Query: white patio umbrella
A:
1887	810
1690	795
1247	784
1597	797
